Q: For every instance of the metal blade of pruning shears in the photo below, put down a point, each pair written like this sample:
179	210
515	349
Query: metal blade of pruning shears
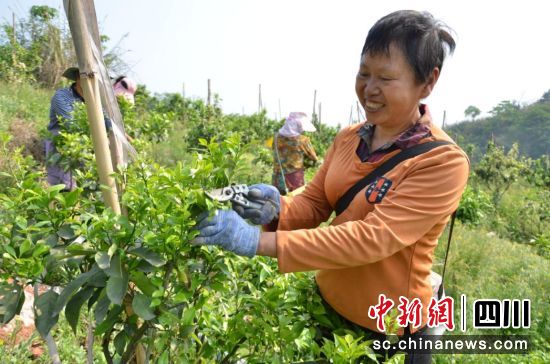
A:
234	193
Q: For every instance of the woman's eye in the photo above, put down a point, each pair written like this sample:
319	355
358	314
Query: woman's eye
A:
386	78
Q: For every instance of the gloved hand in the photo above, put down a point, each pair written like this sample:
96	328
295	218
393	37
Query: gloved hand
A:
229	231
268	197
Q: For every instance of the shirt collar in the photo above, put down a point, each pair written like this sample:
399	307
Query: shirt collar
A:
406	139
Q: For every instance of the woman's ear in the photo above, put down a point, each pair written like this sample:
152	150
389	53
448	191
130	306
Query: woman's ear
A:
430	83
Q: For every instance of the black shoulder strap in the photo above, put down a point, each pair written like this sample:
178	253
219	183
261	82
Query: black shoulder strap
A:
440	291
384	168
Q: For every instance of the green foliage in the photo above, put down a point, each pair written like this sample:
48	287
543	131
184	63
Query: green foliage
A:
323	137
140	281
41	51
190	298
474	206
509	123
540	172
498	170
472	112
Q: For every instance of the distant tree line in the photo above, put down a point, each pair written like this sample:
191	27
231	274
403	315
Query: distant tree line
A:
508	123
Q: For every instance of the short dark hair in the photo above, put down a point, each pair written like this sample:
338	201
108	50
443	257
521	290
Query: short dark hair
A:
423	40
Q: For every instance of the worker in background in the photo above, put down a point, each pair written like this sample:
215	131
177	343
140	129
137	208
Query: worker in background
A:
125	87
292	152
61	111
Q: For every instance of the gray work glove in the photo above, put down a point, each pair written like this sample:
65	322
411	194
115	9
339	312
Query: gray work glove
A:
268	197
229	231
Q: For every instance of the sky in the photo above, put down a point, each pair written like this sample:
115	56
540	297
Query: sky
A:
294	47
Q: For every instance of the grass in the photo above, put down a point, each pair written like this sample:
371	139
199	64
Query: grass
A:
24	101
483	266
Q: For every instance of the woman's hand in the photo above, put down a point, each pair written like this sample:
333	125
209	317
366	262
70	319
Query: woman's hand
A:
269	199
229	231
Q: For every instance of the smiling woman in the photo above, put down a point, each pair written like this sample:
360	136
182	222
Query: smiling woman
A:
380	245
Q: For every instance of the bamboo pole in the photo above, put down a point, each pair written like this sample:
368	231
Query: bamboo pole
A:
82	38
90	87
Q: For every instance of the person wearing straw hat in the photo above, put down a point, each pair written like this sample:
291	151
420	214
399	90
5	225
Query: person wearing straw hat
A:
292	151
61	111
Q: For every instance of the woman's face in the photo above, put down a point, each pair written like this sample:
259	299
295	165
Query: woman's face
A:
387	89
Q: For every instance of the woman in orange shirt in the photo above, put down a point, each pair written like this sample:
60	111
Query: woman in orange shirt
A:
384	241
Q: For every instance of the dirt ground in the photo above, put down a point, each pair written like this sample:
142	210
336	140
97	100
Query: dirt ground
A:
21	328
25	135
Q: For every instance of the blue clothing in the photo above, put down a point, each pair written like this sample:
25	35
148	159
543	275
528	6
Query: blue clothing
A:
62	106
61	111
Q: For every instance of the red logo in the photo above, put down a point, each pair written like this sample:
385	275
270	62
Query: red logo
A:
378	189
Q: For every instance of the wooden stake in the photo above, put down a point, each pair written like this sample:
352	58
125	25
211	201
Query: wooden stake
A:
319	116
444	117
351	115
13	23
209	98
260	105
314	103
90	87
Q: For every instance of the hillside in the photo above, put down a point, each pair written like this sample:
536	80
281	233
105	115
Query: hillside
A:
529	126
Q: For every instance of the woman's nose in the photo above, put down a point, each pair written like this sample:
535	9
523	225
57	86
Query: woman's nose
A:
371	87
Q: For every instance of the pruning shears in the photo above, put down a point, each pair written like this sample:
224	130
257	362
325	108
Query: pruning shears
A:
237	194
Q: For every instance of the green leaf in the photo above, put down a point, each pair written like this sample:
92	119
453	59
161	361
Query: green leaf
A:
77	250
73	286
141	305
51	240
95	297
72	311
55	189
120	342
112	250
145	267
114	269
9	249
117	286
149	255
40	249
66	232
103	260
25	247
111	319
143	283
188	317
12	298
100	310
45	316
71	197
